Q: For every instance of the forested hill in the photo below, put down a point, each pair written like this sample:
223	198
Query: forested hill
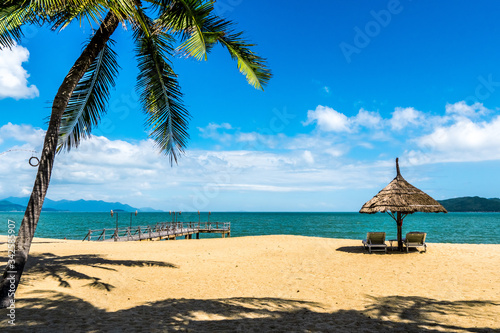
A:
471	204
7	206
13	204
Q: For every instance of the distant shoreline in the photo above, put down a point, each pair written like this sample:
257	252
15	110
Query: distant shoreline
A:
3	240
240	212
13	204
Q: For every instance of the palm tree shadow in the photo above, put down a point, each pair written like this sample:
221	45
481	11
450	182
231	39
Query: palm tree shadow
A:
97	284
56	312
60	268
428	312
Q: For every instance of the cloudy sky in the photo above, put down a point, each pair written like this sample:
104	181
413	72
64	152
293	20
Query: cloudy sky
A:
356	84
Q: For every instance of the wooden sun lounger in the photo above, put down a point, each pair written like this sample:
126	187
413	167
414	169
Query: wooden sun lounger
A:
415	239
375	241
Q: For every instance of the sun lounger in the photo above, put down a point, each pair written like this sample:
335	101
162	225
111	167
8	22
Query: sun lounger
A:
375	241
415	239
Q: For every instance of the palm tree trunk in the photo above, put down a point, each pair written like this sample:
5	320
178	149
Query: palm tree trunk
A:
13	271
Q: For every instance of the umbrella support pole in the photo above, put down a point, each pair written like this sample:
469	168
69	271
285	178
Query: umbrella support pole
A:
399	222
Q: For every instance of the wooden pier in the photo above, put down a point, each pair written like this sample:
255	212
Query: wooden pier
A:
159	231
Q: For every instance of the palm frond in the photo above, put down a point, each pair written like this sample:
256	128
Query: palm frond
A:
200	30
124	9
161	97
249	64
186	17
13	15
93	11
88	101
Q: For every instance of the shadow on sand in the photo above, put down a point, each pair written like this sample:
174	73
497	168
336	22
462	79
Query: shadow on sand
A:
56	312
59	267
359	249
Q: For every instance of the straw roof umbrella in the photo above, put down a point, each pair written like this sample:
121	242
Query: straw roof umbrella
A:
399	199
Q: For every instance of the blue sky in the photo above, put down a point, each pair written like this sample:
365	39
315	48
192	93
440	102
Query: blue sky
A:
356	84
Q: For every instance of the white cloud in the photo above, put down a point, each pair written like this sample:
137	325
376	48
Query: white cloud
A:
13	77
259	187
315	162
461	133
308	157
464	140
228	135
22	133
135	173
461	109
328	119
368	119
402	117
248	137
335	152
212	131
254	139
366	145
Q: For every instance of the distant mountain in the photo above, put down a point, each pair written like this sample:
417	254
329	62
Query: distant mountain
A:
18	201
471	204
149	210
7	206
80	205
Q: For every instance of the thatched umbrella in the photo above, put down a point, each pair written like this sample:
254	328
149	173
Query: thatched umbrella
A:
401	198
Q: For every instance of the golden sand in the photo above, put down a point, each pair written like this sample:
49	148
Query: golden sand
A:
256	284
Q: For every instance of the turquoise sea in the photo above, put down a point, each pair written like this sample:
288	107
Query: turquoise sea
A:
473	228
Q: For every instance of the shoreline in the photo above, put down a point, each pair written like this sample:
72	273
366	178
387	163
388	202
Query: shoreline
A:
278	282
472	228
3	240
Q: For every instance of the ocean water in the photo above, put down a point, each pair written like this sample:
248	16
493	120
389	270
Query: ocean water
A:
472	228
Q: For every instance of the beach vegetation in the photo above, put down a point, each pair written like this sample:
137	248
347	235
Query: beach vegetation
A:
157	26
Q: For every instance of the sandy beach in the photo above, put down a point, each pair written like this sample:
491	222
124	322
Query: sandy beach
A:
255	284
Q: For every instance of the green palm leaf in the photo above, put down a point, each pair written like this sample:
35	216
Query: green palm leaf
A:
187	17
14	14
88	101
249	64
160	93
12	17
92	11
200	30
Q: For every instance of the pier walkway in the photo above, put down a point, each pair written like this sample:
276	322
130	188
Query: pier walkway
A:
163	230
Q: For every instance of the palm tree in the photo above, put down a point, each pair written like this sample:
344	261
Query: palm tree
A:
82	97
